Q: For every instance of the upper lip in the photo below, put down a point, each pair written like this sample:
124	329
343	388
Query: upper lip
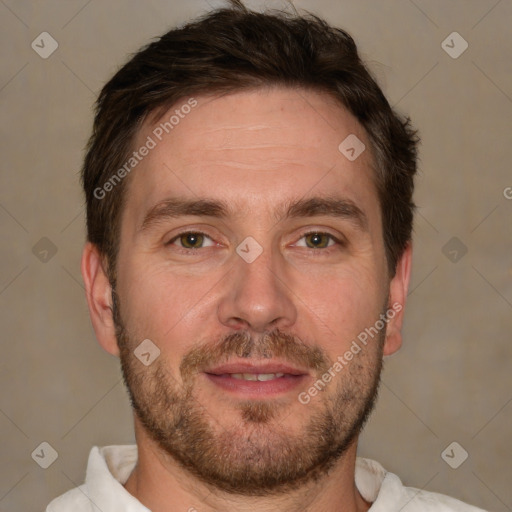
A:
256	368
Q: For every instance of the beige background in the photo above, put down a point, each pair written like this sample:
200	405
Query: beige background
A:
452	379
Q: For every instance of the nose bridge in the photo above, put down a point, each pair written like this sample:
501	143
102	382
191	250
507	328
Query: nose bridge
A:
262	272
257	296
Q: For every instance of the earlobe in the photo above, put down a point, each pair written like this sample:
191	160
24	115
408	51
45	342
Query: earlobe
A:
99	298
398	290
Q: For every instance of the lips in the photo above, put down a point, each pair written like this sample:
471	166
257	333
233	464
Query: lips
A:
256	379
248	368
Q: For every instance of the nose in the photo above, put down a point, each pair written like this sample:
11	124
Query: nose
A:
257	295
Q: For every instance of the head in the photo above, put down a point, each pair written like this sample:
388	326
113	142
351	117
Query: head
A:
227	224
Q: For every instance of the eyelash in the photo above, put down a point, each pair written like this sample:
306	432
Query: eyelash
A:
184	250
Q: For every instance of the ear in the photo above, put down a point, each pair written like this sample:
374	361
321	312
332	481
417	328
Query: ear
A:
99	298
398	289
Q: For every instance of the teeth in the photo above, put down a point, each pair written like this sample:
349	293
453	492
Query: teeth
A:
256	376
266	376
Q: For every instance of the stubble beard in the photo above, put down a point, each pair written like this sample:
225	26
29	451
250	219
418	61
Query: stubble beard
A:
257	454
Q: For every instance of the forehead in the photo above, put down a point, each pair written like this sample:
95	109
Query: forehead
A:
256	149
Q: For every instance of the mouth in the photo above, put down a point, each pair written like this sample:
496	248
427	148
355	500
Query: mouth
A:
256	380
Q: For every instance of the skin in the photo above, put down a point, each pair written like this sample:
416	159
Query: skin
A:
254	150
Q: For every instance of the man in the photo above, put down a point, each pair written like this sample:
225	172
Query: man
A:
249	215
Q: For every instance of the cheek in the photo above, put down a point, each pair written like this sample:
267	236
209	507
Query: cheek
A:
337	307
169	308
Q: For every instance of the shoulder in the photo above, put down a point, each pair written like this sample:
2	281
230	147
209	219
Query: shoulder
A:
414	500
107	469
74	500
386	492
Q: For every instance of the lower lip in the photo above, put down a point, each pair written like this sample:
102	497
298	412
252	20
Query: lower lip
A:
281	385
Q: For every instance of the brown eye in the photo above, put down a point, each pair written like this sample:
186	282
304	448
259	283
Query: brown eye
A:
317	240
191	240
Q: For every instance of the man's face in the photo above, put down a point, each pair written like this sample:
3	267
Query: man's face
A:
243	334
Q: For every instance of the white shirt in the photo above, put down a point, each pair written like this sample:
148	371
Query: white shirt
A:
109	468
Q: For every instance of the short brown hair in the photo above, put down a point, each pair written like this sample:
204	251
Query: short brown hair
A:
232	49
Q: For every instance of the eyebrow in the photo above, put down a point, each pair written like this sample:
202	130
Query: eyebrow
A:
172	208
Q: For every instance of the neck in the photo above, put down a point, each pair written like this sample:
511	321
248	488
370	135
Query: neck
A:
160	484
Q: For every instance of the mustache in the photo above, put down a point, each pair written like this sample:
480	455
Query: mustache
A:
274	344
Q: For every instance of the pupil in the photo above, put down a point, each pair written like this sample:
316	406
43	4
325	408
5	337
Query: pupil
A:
192	239
316	239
